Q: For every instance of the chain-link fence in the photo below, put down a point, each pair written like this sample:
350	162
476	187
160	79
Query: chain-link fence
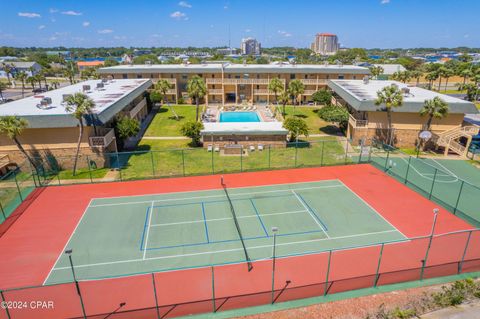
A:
176	293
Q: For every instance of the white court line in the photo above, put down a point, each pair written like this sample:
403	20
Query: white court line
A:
381	216
148	231
227	218
68	241
310	213
226	250
425	175
214	196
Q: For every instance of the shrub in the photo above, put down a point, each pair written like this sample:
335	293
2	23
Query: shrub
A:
295	126
192	129
322	97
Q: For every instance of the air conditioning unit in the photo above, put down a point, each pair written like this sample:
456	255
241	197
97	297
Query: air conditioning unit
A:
148	62
405	91
65	97
100	85
86	88
366	79
46	101
105	80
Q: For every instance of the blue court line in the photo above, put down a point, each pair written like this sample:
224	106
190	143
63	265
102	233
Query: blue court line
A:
205	221
232	240
313	211
144	228
259	218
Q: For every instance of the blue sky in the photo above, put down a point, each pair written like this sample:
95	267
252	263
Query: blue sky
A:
358	23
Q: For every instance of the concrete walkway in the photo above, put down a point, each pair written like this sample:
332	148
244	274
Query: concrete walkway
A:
464	311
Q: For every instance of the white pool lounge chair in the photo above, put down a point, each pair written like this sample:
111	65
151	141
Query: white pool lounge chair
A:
251	148
209	148
260	147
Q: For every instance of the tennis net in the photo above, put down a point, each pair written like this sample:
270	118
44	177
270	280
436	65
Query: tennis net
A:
235	220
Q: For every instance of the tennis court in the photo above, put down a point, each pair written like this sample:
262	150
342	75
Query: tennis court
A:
135	234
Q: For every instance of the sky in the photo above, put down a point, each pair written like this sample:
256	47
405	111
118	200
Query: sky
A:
199	23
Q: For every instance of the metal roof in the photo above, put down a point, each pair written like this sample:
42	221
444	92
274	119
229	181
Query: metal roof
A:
234	68
247	128
361	96
109	100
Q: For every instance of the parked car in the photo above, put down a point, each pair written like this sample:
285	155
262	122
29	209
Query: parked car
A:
39	90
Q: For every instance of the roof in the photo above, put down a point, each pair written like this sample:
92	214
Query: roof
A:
362	96
389	69
327	34
22	65
110	100
90	63
251	128
235	68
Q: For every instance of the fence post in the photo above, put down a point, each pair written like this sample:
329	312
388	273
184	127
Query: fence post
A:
296	153
458	198
3	212
153	165
328	272
346	150
18	187
89	169
241	159
386	160
321	158
460	266
213	167
377	274
370	153
6	308
424	261
118	166
408	169
213	290
155	295
433	184
269	150
183	162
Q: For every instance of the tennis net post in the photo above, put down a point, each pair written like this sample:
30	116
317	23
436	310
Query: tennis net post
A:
237	226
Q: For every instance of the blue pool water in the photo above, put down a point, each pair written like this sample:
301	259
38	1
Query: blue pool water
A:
239	117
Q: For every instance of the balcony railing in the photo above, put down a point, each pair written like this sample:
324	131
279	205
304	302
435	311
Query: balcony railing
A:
169	80
309	92
215	91
240	81
262	92
172	92
133	112
103	141
356	122
4	160
314	81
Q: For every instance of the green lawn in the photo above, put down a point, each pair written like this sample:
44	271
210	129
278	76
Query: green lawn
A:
171	158
165	124
478	105
83	173
315	124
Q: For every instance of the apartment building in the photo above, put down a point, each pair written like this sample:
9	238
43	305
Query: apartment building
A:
250	46
237	83
52	132
368	120
325	44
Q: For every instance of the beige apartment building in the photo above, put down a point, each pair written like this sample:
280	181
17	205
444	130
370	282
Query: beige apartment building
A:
52	132
368	121
237	83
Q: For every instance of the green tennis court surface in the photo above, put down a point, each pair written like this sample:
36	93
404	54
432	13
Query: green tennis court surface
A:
137	234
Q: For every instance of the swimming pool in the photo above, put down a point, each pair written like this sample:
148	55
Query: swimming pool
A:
239	117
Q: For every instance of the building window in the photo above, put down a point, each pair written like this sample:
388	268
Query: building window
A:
151	75
184	76
341	77
306	76
328	76
213	86
139	76
292	76
354	77
200	75
258	87
237	76
125	76
213	75
171	76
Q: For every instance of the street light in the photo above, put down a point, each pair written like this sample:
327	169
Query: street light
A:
434	224
69	253
274	231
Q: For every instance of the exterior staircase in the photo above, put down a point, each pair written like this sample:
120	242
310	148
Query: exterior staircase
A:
449	139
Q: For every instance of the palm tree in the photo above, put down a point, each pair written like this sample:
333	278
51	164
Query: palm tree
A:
55	84
7	68
12	126
3	87
162	87
442	71
31	80
416	74
447	74
466	74
283	98
430	77
296	88
275	86
196	90
22	76
79	105
434	108
375	71
69	73
391	97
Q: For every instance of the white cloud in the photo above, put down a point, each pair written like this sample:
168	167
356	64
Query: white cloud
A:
71	13
29	15
385	2
117	37
178	15
184	4
53	10
284	33
248	30
466	36
105	31
52	38
225	7
41	27
86	24
155	35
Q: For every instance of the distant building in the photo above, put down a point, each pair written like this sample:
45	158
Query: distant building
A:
325	44
31	68
82	65
250	46
227	51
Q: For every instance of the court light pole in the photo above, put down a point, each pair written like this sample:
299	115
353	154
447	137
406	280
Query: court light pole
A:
69	253
274	231
424	261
